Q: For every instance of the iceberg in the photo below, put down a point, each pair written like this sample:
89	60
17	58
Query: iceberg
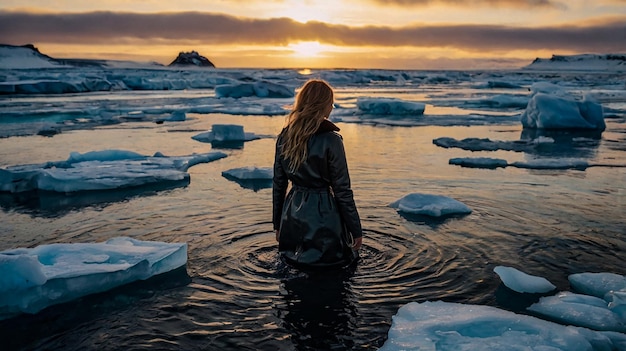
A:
32	279
551	111
430	205
101	170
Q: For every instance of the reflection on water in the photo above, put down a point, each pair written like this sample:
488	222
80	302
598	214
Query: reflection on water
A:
567	143
319	311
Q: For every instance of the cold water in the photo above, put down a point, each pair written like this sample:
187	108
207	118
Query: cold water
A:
235	293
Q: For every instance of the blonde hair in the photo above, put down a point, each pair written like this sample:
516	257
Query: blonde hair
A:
313	104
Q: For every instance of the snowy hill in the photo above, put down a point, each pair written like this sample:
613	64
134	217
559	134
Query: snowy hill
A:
26	56
583	62
29	57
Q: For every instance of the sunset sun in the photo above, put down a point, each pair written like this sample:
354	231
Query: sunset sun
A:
306	49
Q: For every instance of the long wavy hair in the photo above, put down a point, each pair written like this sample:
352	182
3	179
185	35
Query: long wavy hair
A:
313	104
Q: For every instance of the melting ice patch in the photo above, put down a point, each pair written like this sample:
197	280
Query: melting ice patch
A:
32	279
100	170
429	205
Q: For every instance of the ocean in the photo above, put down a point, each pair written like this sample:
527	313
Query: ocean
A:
234	293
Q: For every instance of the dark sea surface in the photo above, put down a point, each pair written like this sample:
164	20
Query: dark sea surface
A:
235	294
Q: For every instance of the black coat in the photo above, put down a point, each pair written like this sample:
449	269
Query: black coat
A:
318	219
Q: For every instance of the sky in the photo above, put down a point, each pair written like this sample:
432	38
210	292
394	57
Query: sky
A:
388	34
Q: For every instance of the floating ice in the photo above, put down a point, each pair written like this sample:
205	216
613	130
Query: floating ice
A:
261	89
553	163
225	133
100	170
35	278
597	284
522	282
389	106
485	144
430	205
250	173
478	162
451	326
579	310
549	111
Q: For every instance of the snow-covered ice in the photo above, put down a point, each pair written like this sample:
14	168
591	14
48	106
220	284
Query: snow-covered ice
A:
101	170
429	205
32	279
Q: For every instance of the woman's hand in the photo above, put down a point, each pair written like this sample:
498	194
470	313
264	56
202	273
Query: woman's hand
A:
357	244
277	234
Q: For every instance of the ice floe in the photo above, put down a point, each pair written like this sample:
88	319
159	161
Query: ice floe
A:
32	279
429	205
101	170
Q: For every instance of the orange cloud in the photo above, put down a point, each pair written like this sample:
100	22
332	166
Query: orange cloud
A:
106	28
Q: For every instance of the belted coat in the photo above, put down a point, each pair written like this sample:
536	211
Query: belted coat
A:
317	219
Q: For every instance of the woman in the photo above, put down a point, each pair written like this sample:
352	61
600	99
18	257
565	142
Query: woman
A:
317	224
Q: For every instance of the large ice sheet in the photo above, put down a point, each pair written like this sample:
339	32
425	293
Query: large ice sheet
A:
100	170
32	279
451	326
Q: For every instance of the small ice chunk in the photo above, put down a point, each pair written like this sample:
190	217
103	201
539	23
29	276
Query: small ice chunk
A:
522	282
430	205
478	162
250	173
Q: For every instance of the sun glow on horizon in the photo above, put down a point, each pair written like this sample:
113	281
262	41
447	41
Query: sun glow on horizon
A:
306	49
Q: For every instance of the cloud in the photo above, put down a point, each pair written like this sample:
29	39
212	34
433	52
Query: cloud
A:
527	4
106	28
